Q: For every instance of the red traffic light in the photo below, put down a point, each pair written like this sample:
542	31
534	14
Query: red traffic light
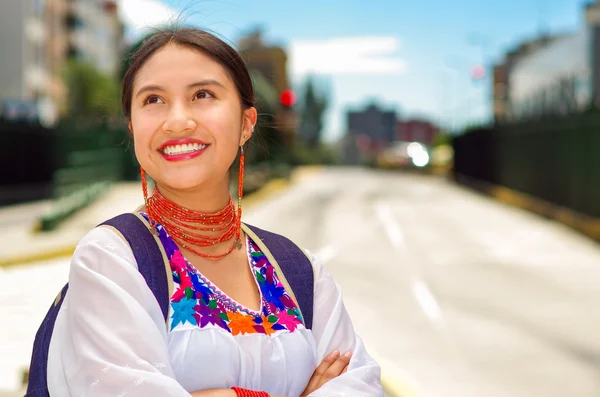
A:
288	98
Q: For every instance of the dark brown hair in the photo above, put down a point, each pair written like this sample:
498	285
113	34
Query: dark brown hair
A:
197	39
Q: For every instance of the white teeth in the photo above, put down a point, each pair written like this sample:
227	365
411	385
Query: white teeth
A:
182	149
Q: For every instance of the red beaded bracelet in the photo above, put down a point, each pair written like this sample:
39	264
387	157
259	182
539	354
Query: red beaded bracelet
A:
249	393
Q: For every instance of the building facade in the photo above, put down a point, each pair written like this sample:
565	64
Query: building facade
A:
554	79
558	74
369	132
96	35
43	35
269	60
22	64
420	131
268	66
502	72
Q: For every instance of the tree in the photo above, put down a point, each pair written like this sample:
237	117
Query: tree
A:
311	117
92	96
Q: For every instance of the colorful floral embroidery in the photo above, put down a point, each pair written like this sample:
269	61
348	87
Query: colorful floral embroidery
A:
198	302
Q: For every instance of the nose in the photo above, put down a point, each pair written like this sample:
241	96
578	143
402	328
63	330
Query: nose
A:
179	120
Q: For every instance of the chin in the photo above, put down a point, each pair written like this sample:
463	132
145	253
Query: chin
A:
183	183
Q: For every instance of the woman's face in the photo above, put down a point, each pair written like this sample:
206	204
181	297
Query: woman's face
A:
186	119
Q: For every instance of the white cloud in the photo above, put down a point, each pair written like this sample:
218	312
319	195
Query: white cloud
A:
347	55
139	15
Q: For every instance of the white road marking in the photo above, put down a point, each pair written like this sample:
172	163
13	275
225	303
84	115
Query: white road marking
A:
422	293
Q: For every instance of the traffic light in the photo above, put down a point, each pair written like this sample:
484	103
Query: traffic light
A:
288	98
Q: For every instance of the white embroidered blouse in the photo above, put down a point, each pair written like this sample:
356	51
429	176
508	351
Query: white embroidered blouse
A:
110	337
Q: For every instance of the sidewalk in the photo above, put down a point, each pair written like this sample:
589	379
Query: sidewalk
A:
20	244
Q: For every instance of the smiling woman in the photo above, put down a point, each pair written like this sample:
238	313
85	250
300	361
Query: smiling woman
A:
248	313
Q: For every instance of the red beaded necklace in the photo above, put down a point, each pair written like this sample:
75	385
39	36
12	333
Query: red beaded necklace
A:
185	226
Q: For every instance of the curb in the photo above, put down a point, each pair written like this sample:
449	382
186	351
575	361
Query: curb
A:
37	257
584	224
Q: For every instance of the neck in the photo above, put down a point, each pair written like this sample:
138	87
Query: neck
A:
202	198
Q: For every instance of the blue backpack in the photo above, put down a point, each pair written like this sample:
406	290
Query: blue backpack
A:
293	262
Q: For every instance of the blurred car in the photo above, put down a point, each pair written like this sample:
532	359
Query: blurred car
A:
404	155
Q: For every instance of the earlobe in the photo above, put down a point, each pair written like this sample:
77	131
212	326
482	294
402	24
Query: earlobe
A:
246	136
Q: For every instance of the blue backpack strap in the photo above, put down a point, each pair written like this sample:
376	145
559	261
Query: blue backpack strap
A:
37	385
152	265
146	250
296	267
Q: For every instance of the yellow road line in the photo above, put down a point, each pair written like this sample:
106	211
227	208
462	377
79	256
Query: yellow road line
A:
37	257
394	381
397	387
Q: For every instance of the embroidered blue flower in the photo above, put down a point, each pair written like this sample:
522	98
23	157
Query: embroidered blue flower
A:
273	294
184	311
203	291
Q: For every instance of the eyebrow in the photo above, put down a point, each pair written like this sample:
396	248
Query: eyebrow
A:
202	83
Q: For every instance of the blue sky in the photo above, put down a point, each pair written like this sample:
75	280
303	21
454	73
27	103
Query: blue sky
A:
411	56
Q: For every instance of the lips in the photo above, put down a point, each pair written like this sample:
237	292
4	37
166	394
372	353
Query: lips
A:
182	149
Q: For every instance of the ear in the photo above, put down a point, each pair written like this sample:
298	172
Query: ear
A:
250	116
130	127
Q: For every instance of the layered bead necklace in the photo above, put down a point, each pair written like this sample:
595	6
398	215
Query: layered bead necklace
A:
187	227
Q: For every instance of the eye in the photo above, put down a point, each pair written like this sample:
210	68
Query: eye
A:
153	99
203	95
